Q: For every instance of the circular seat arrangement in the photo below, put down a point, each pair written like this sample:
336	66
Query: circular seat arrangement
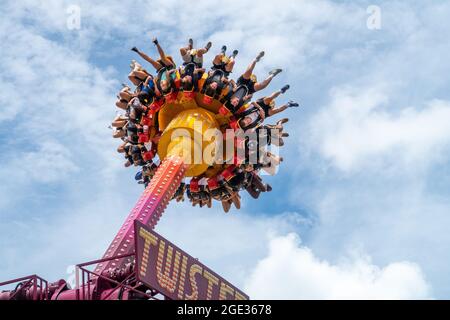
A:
209	119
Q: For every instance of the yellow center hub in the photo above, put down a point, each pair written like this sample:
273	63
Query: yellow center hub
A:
184	137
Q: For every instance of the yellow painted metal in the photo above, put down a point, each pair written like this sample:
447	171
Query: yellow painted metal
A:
183	137
170	110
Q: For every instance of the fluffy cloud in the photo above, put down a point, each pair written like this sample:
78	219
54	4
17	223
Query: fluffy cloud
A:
357	128
51	162
292	271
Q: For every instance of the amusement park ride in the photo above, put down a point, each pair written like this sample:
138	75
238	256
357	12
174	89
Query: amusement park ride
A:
139	264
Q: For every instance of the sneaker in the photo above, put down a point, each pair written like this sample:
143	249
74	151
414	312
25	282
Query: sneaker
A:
224	49
292	104
274	72
282	121
155	41
235	53
138	176
208	46
259	56
285	88
135	49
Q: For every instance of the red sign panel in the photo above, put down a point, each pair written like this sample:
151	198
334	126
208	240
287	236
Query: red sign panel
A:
166	268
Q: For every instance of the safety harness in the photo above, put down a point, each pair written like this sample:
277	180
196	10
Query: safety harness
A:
215	77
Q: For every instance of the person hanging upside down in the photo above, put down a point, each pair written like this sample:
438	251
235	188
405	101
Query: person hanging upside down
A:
137	106
168	85
254	184
191	55
236	98
224	63
124	96
190	75
138	74
163	62
246	86
274	134
249	80
214	85
148	86
268	103
250	118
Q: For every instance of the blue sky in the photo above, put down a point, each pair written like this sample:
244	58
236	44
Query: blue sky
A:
360	207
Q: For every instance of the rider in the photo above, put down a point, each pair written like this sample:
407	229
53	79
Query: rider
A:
254	184
249	80
191	55
251	117
124	96
224	63
148	86
246	86
236	99
190	75
214	85
138	74
168	84
268	103
163	62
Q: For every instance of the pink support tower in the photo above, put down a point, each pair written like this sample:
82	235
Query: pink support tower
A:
113	275
148	210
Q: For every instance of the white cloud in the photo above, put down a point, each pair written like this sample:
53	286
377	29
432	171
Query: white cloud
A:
357	129
292	271
52	162
228	243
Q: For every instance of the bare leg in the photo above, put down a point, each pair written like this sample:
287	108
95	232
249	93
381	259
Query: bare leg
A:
218	58
133	79
121	148
118	123
248	73
141	75
272	97
230	65
162	54
154	63
121	105
278	110
236	199
125	95
184	51
202	51
262	85
119	134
